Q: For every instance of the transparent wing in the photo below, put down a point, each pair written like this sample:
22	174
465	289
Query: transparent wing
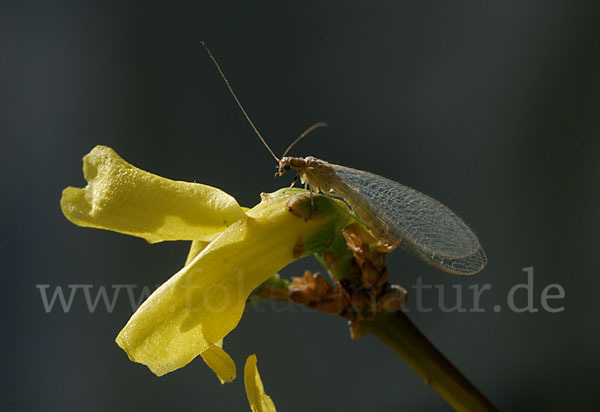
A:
423	226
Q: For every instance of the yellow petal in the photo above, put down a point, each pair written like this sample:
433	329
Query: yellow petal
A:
220	362
196	247
258	399
215	357
204	301
125	199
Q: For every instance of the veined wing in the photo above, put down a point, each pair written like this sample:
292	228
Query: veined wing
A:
423	226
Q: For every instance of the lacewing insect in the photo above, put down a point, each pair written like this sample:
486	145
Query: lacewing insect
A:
397	215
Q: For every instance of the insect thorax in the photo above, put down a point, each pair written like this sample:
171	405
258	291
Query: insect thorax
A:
317	173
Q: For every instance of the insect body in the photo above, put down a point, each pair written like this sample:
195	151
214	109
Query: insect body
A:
396	214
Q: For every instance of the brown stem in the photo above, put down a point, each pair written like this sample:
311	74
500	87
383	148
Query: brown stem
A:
397	331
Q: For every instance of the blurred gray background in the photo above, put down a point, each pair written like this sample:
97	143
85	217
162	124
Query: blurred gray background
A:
490	107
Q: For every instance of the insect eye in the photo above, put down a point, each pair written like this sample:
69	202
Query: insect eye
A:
286	167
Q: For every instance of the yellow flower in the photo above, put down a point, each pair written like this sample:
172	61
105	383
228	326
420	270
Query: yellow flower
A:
233	252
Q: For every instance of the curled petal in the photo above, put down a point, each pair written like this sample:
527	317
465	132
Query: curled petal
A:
125	199
220	362
204	301
255	391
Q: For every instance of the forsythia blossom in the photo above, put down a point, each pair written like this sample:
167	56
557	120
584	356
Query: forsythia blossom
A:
233	251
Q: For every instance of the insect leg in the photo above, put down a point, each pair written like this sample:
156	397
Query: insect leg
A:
294	181
352	212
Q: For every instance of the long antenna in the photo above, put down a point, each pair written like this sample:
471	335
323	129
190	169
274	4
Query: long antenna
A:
304	133
236	99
